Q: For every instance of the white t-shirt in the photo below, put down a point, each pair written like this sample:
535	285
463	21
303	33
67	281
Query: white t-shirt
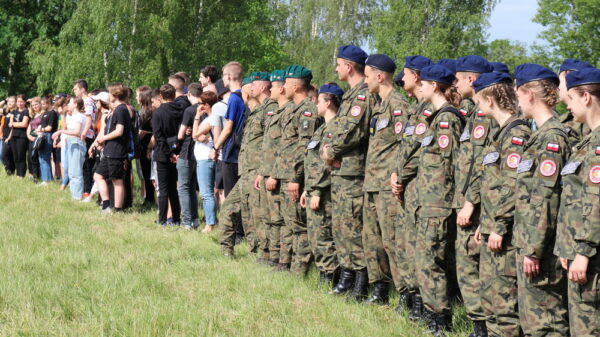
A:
90	110
202	150
74	120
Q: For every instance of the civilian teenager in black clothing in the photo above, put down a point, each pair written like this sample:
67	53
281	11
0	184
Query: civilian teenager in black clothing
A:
208	77
18	138
115	139
165	125
141	153
186	162
7	158
149	101
47	128
35	120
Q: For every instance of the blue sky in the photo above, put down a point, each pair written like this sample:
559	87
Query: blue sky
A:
511	19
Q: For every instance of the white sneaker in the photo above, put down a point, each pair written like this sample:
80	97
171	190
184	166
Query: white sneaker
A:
88	198
43	183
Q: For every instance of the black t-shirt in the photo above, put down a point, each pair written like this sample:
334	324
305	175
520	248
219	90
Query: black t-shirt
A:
6	129
18	117
187	146
50	118
118	147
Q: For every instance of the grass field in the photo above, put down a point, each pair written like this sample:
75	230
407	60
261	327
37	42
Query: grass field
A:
66	270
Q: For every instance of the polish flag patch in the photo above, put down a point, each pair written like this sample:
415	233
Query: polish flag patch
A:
463	112
427	113
553	147
480	113
517	141
444	125
361	97
269	113
598	150
397	112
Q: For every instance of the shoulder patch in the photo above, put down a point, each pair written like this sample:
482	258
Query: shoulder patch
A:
478	131
361	97
548	168
595	174
444	125
480	113
307	114
398	127
443	141
269	113
513	160
397	112
356	111
517	141
553	147
463	112
598	150
427	113
420	128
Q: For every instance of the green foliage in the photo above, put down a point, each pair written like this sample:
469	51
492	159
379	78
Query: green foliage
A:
572	29
434	28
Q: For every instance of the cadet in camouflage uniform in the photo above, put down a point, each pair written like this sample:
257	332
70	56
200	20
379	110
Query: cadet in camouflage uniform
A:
248	160
575	130
541	280
406	228
298	126
466	195
380	210
270	199
346	156
497	173
578	234
434	177
316	198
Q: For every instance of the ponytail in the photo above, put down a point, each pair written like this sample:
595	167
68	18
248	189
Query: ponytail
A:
450	93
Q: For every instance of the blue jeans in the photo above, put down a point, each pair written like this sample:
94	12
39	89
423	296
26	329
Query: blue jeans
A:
44	153
1	153
186	190
206	181
64	154
76	157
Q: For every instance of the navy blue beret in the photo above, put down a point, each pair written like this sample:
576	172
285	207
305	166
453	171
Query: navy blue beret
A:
417	62
398	79
448	63
331	89
473	63
437	73
573	64
500	67
583	77
489	79
381	62
528	72
352	53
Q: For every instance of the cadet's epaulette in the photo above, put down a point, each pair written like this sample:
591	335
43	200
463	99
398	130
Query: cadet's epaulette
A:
463	112
517	141
427	113
307	114
361	97
480	113
444	125
598	150
397	112
553	147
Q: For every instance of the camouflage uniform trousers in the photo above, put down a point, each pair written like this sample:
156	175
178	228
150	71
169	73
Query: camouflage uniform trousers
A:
380	212
295	222
467	269
435	247
263	223
230	214
406	241
543	299
498	279
347	202
251	212
584	302
275	222
319	234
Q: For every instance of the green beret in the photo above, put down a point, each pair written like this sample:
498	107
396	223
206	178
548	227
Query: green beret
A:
296	71
261	76
247	80
278	76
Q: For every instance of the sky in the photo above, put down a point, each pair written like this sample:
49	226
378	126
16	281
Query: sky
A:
512	19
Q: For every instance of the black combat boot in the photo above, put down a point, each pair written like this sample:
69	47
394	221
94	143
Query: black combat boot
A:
480	329
381	293
282	267
345	282
437	324
360	291
405	301
416	312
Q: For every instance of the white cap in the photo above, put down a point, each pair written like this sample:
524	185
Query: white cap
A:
102	96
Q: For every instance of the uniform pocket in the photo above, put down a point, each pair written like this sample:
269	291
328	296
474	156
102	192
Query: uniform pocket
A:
510	263
589	292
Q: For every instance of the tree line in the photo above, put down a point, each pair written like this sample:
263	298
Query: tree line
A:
45	45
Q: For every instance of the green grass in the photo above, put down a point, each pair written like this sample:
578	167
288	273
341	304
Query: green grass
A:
66	270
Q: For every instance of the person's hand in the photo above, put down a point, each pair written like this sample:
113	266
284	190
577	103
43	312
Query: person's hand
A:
294	191
495	242
126	164
149	154
91	150
324	153
56	135
188	131
463	218
82	137
303	200
315	202
531	266
564	263
173	159
578	270
257	182
478	235
10	124
271	184
213	155
100	139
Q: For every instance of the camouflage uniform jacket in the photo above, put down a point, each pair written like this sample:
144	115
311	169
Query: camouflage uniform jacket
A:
271	141
350	138
575	130
437	154
538	189
317	174
386	128
472	141
579	215
498	171
249	158
298	126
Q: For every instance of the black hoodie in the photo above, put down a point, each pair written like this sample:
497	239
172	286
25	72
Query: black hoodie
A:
165	124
